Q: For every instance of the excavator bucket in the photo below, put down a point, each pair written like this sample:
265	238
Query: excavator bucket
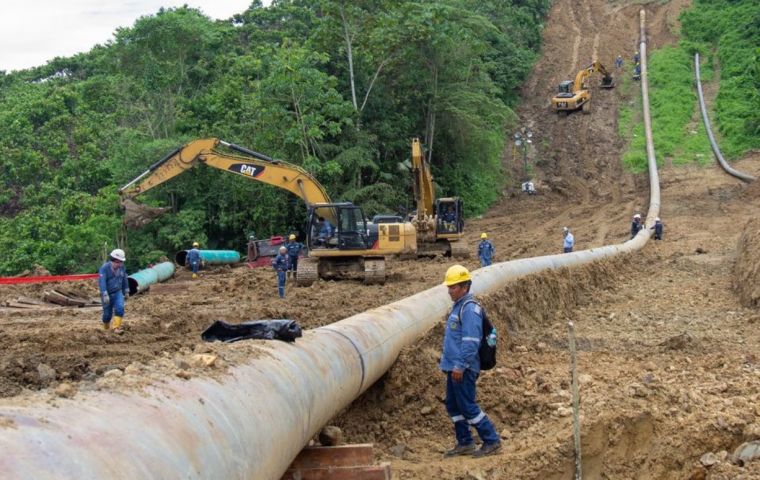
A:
607	82
137	215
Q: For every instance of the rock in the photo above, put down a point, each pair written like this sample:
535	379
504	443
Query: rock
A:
330	436
505	434
65	390
708	459
564	411
202	348
426	410
722	456
115	373
203	360
133	369
679	342
637	390
650	366
541	346
521	348
700	251
398	450
46	372
181	364
746	452
649	378
183	374
585	379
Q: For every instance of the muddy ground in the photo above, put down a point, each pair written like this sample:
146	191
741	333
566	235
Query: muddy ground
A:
669	358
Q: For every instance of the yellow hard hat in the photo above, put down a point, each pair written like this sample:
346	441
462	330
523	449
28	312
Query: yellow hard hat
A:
483	235
292	237
456	274
195	244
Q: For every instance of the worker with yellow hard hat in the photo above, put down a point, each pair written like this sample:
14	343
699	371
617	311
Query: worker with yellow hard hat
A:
294	250
486	250
193	259
460	362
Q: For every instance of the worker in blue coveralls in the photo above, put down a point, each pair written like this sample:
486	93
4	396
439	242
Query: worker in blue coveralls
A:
294	249
486	250
657	227
194	259
619	62
114	289
568	241
326	230
636	225
280	265
461	363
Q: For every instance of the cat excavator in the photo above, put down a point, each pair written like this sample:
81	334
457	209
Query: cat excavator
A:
439	222
573	95
339	242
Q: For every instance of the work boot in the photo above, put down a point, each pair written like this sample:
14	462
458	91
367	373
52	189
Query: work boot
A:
106	325
460	450
195	275
116	325
487	449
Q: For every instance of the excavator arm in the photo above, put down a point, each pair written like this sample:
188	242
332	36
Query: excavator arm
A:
582	76
253	165
424	190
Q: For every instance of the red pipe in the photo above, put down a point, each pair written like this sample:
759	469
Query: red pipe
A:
47	278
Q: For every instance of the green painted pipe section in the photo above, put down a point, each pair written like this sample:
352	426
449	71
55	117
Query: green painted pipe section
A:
142	280
210	257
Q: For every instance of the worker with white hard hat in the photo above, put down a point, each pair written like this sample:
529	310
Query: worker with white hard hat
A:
658	228
280	265
568	241
636	225
114	289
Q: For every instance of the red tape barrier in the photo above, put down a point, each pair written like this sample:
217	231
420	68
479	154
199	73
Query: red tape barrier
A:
50	278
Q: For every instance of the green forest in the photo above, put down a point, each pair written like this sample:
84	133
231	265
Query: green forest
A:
337	87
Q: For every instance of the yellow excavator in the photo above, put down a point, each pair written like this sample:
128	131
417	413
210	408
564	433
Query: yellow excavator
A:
573	95
439	221
339	242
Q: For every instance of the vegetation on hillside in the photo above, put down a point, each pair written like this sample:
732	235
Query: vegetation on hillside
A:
338	87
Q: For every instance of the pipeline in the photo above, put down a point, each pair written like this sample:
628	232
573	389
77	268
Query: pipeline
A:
713	144
142	280
210	257
252	422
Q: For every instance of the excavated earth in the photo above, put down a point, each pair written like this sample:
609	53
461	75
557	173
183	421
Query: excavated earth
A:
669	359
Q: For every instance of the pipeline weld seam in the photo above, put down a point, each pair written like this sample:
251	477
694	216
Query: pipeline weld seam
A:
361	356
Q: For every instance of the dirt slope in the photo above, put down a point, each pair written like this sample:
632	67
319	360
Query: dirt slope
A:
651	405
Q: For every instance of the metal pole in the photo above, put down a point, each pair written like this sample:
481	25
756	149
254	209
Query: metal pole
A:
576	403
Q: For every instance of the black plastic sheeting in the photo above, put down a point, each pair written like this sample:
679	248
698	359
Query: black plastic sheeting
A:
286	330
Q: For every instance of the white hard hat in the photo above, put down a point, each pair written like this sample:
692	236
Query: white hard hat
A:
657	219
565	229
283	249
637	215
118	254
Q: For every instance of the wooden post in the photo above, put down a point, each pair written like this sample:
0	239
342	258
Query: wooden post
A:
576	403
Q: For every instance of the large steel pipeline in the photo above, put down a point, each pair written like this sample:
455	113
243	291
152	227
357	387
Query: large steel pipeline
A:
142	280
252	422
706	120
210	257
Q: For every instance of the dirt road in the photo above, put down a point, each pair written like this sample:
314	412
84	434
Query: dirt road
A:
668	357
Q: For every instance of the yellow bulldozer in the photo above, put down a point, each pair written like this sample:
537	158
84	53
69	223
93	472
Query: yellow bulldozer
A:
439	222
338	239
574	95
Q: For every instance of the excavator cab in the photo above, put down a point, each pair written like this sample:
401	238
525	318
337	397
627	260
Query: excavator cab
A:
565	89
450	215
339	226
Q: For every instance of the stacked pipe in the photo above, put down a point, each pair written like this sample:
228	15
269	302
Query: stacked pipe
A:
210	257
254	421
142	280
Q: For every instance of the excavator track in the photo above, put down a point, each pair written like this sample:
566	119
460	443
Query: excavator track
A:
308	272
460	249
374	271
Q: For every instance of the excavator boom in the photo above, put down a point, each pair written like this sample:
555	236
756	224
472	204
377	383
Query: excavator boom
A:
424	190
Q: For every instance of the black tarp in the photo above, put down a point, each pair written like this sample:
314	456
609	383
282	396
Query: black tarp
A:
286	330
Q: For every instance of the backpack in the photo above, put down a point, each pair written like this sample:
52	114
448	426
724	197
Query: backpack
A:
486	353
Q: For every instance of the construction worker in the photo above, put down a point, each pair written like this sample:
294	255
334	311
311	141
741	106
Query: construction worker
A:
637	72
194	259
657	227
114	289
619	62
486	250
280	265
569	240
294	249
636	225
326	230
636	57
461	364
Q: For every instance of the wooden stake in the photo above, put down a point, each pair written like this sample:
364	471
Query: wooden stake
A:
576	403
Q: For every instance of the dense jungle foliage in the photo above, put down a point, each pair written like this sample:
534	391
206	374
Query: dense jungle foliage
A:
726	34
337	87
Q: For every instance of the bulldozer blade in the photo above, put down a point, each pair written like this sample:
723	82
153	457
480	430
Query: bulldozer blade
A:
137	215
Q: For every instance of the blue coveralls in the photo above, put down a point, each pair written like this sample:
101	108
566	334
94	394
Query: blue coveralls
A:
567	244
194	259
460	352
635	227
294	248
485	252
325	232
280	265
619	61
115	284
657	227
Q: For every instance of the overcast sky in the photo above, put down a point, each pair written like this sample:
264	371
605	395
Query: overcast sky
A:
35	31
